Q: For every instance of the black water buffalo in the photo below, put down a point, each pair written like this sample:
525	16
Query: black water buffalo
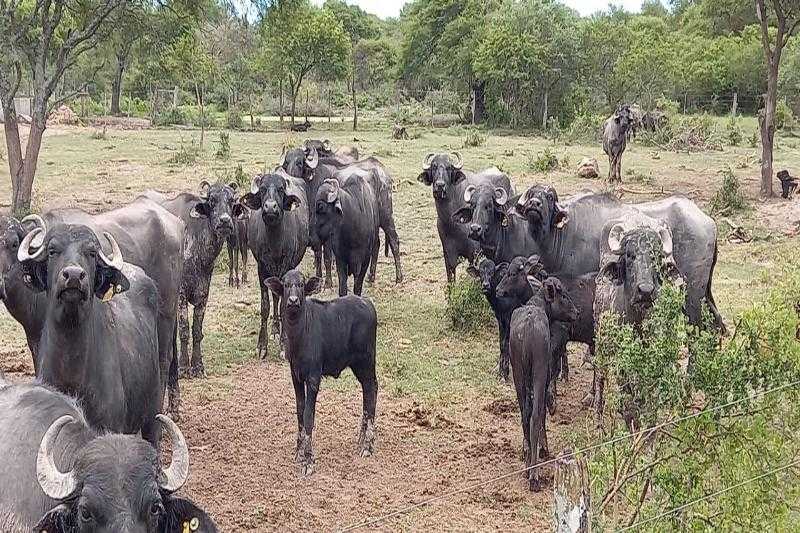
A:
530	349
347	221
488	214
210	220
615	140
278	235
448	181
322	339
99	339
788	184
238	248
344	154
569	237
61	475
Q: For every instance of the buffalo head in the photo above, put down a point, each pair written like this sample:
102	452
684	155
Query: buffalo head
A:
117	484
521	273
70	265
292	289
327	208
271	194
300	162
539	206
558	302
323	148
219	205
11	234
488	273
441	172
484	212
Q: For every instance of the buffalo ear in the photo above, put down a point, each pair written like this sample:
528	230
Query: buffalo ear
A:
614	270
275	285
463	215
109	281
35	275
458	176
183	515
239	211
313	285
292	202
560	218
338	206
55	521
425	178
251	200
200	210
549	291
472	271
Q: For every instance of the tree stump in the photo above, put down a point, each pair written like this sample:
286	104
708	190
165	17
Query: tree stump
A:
571	496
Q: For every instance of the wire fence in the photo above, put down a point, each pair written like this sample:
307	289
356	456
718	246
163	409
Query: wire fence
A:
371	522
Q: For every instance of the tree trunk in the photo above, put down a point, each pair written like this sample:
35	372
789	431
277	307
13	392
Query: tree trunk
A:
14	148
250	107
355	104
294	103
767	126
280	100
116	86
544	109
735	104
478	102
199	96
306	105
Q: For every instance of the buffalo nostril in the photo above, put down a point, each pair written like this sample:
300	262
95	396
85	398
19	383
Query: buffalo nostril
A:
293	300
82	275
646	289
474	228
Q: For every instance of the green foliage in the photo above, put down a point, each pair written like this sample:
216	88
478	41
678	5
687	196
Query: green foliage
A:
474	139
239	177
233	119
733	132
543	161
224	148
187	154
585	127
753	139
729	198
784	117
467	308
99	135
170	117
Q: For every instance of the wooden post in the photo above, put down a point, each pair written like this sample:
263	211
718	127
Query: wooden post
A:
735	104
571	495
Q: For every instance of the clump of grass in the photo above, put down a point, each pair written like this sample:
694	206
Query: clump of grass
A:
566	162
239	177
729	197
233	119
544	161
474	139
753	139
187	154
635	176
467	308
99	135
733	132
224	149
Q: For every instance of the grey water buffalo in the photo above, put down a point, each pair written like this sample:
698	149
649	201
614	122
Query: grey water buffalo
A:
61	475
99	340
343	154
323	339
569	237
448	180
615	139
347	221
238	249
530	349
278	234
209	220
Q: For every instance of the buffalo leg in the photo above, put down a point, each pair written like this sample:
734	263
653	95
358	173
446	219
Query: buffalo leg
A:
151	431
393	243
373	264
365	374
198	370
317	260
183	330
327	257
306	449
534	429
174	390
276	317
300	400
503	365
232	264
243	253
341	271
358	279
525	414
450	263
263	338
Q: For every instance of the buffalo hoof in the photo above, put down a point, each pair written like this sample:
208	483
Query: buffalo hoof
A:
399	279
244	279
588	400
185	373
534	484
197	371
174	406
366	438
307	467
371	280
261	353
275	331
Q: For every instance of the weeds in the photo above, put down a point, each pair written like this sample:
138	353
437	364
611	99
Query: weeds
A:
543	161
187	154
224	149
729	197
467	308
474	139
733	132
754	138
233	119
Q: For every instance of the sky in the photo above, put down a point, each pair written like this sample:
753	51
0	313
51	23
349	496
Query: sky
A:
391	8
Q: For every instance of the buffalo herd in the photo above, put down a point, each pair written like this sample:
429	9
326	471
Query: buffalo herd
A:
103	300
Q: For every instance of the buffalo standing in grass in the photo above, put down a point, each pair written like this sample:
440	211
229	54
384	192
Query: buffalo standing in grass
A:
322	339
449	181
615	139
59	474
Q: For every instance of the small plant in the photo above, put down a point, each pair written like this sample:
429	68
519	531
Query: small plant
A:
566	162
224	149
640	177
99	135
753	139
784	117
467	308
233	119
733	132
474	139
544	161
729	197
170	117
239	177
186	154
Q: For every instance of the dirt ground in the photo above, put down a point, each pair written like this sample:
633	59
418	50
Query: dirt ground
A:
444	420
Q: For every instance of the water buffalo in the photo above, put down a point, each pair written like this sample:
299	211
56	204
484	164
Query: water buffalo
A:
570	239
99	340
615	139
344	154
61	475
322	339
448	181
347	221
238	249
530	350
278	235
209	219
788	184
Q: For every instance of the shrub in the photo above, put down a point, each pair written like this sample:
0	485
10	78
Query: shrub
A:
544	161
467	308
729	197
186	154
585	127
784	117
733	132
474	139
170	117
206	119
233	119
754	138
239	177
224	149
99	135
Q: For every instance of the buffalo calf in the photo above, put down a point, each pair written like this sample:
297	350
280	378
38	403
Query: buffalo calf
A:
322	339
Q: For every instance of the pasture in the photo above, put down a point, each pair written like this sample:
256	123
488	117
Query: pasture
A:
444	420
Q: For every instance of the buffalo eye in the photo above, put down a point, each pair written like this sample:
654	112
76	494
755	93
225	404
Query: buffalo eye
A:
52	252
85	514
156	509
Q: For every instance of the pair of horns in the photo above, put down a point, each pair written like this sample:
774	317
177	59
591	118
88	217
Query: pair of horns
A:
39	250
618	231
334	192
459	162
500	195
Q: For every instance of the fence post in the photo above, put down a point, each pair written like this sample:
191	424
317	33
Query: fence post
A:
735	103
571	495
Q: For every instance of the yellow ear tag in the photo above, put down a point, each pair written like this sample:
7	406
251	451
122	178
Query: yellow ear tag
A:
185	527
194	524
108	295
505	221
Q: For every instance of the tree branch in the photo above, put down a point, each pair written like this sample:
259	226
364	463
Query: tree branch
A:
761	15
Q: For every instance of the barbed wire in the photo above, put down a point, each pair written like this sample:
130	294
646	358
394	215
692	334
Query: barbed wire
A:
468	488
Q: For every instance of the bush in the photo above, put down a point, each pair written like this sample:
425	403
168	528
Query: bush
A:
729	197
754	138
170	117
224	149
240	178
99	135
784	117
474	139
135	107
733	132
233	119
687	133
467	308
206	119
186	154
544	161
585	127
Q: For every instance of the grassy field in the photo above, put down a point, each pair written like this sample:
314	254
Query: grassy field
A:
422	362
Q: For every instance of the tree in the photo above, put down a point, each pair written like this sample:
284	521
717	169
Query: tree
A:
47	37
301	39
786	14
192	61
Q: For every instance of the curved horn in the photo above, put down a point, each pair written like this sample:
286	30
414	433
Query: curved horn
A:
312	158
666	240
615	238
116	254
468	193
204	187
22	253
283	157
39	221
174	476
426	163
334	194
459	161
500	196
54	483
326	144
255	184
